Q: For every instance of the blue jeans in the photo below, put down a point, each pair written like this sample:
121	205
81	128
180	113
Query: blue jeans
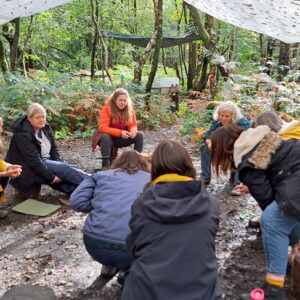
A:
206	168
70	175
276	228
110	257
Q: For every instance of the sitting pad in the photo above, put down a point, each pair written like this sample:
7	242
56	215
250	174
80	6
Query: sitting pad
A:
29	292
35	208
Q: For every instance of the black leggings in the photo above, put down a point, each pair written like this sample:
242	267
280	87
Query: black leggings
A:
107	142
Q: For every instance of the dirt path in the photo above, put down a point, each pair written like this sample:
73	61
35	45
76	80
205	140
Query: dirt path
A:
49	250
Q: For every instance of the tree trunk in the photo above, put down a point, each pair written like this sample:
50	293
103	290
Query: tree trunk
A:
209	39
15	44
3	62
284	58
158	11
192	65
104	47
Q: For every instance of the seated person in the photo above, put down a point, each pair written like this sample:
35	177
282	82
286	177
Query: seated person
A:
6	171
33	147
173	228
107	197
118	126
226	113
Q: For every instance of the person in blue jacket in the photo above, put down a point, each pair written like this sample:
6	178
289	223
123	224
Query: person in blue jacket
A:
226	113
107	197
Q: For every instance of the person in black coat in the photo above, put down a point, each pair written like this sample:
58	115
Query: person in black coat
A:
33	147
270	168
173	228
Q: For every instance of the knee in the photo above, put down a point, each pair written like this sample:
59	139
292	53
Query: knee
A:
105	138
140	135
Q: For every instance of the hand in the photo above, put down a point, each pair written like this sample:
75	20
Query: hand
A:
125	134
56	180
133	134
208	143
13	171
243	189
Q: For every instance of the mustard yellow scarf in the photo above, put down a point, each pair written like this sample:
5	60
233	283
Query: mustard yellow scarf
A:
170	178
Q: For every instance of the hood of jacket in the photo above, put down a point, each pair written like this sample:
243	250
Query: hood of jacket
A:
247	141
22	124
176	202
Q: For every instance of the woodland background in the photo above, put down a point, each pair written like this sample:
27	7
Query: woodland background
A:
66	59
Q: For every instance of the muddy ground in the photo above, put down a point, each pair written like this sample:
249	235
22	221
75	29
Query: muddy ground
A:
49	250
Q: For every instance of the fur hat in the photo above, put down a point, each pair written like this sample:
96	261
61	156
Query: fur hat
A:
270	119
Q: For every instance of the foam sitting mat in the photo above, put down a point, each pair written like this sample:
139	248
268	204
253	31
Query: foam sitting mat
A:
35	208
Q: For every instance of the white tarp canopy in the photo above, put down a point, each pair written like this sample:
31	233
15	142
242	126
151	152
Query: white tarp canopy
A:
11	9
279	19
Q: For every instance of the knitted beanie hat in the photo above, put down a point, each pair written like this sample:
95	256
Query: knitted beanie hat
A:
272	120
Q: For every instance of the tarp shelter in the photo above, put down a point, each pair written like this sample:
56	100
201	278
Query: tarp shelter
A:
279	19
167	41
11	9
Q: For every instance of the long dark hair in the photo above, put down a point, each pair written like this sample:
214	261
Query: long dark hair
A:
171	157
131	161
222	143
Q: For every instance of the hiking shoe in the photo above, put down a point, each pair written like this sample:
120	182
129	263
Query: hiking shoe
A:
235	192
3	214
108	271
271	292
254	223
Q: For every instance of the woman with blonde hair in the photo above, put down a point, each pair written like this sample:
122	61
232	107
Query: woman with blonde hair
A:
226	113
118	125
33	146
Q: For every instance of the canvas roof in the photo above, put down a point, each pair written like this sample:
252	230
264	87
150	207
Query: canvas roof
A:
279	19
11	9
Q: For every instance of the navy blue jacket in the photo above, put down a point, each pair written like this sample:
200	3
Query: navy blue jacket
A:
172	240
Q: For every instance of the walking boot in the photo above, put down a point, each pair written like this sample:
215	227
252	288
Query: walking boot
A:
105	163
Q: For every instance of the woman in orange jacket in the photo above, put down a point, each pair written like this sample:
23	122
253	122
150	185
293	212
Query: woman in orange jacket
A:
118	126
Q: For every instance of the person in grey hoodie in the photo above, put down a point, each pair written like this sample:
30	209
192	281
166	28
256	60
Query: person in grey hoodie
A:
173	228
107	197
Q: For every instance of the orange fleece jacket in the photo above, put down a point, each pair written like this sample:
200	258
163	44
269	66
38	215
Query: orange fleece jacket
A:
104	122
